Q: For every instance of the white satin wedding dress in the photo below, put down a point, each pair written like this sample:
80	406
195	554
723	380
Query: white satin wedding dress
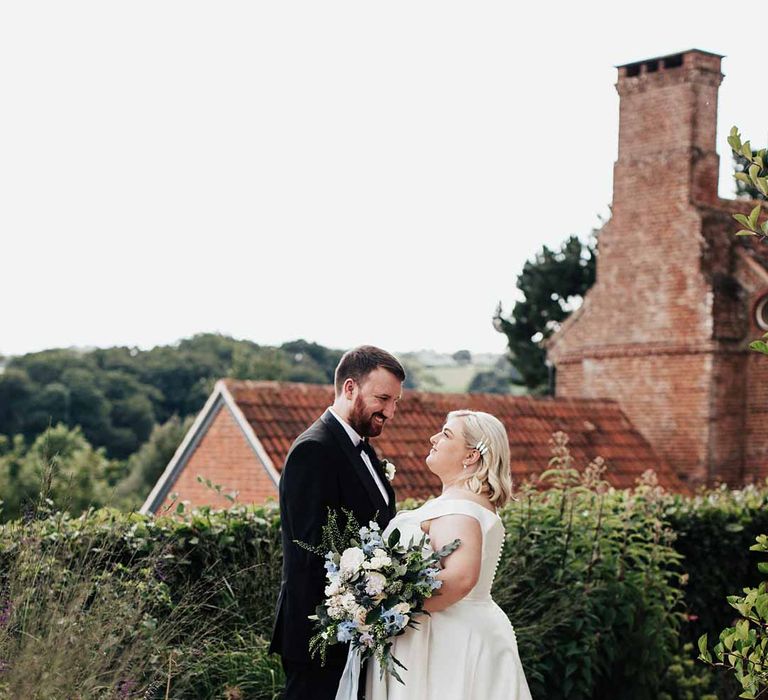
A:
467	651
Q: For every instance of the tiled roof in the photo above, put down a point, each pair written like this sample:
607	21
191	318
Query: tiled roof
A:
278	412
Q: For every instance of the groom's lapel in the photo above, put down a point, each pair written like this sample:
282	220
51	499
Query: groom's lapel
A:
353	455
387	485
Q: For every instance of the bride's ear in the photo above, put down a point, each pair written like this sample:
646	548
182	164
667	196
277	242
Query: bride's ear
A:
472	458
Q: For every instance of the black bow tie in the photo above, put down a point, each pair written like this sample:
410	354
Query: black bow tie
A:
364	446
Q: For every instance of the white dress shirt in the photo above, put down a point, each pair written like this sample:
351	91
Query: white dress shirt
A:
356	440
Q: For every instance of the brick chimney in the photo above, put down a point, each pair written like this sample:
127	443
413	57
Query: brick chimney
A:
648	334
667	128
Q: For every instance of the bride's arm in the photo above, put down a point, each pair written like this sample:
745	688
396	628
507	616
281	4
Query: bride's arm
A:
461	568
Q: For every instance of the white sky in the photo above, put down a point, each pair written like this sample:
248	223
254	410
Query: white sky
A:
345	172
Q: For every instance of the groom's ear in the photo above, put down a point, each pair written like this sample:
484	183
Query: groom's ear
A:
348	388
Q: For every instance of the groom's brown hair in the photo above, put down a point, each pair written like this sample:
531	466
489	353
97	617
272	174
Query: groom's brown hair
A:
359	362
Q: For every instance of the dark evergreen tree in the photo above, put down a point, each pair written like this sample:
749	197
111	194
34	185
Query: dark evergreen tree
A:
550	284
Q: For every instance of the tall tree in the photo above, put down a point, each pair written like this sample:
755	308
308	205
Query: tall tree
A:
60	464
552	285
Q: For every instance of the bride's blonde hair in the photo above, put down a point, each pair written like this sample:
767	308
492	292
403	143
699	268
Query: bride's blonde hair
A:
492	475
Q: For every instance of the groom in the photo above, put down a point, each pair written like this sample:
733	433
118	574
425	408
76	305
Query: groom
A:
331	465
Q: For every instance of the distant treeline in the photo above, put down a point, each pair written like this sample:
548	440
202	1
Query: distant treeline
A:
117	395
97	427
101	425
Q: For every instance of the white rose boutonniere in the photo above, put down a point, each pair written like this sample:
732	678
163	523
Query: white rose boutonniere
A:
389	469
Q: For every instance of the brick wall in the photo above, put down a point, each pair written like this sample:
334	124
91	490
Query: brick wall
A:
225	457
664	329
756	457
666	397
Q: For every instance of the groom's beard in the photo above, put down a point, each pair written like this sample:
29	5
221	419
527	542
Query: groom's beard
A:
362	420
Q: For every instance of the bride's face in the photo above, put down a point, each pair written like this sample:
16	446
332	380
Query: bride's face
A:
446	458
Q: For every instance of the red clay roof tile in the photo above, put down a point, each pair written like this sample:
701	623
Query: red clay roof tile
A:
279	411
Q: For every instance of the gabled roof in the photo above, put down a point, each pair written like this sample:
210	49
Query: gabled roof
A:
272	414
278	412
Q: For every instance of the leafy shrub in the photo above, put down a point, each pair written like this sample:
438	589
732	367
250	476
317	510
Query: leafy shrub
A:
713	527
593	580
115	605
590	581
743	648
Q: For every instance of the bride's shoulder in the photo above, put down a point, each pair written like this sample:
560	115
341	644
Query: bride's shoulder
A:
468	497
458	505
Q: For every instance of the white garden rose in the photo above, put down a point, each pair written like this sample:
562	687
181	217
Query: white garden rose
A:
348	602
389	470
333	588
374	583
378	561
351	559
335	608
359	615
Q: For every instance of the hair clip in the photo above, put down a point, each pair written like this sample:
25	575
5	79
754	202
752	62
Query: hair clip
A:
481	447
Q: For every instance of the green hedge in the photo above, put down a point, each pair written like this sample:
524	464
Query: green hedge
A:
115	605
715	530
604	589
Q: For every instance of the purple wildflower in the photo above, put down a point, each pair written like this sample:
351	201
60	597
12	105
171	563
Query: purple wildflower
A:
5	613
125	688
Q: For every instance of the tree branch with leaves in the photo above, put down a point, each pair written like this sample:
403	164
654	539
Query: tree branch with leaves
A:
743	648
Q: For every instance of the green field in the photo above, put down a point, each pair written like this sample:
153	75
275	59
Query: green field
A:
454	379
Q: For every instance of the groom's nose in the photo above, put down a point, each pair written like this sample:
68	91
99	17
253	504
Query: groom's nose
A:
389	409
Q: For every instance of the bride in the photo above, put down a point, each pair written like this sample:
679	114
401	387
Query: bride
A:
466	648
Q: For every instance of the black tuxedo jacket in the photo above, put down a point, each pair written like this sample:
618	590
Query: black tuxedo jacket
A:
323	470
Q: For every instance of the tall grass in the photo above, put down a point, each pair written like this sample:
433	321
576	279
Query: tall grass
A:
90	609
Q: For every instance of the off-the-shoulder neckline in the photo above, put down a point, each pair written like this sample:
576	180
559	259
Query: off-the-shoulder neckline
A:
463	500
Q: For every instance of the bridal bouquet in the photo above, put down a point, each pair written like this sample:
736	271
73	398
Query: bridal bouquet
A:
375	589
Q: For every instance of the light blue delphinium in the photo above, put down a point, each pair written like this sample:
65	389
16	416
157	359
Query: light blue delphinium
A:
370	537
330	565
346	630
393	621
431	578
